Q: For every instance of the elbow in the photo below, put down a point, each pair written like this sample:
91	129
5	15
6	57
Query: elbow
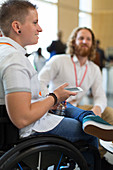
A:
21	124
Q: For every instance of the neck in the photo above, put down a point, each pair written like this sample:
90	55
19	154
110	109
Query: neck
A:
16	38
82	60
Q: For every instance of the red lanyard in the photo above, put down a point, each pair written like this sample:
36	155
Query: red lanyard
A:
79	85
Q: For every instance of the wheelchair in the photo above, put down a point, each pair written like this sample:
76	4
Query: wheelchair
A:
42	152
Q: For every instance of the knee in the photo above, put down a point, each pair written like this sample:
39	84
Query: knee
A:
107	115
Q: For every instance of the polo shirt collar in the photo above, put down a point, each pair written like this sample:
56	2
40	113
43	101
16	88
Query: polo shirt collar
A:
13	43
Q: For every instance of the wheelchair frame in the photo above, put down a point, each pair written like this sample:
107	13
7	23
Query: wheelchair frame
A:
43	151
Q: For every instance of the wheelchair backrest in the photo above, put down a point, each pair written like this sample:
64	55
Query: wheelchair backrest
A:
9	134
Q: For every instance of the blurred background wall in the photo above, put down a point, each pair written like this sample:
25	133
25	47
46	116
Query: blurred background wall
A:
65	15
101	18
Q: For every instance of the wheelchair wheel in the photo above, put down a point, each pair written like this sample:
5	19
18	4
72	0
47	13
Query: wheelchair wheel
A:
42	153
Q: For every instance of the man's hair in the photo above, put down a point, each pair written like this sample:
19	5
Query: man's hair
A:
71	42
13	10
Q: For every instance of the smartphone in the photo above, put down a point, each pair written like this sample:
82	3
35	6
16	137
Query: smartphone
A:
75	89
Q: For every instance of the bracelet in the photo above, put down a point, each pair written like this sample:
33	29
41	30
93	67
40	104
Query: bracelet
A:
54	96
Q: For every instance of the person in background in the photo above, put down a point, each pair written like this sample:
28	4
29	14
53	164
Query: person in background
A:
19	85
57	47
100	56
76	68
39	60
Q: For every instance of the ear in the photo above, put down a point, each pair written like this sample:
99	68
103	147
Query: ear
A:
16	26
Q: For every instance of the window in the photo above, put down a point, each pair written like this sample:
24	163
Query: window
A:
84	20
53	1
85	7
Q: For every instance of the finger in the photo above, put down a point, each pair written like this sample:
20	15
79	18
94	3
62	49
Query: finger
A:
64	85
74	93
71	93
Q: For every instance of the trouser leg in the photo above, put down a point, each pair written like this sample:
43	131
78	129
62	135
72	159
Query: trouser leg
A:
77	113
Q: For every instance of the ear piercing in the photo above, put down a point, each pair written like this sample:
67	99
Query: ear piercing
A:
19	31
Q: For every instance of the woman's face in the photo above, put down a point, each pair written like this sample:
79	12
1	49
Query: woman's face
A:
30	29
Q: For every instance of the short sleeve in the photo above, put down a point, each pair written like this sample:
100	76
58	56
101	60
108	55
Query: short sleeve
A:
16	78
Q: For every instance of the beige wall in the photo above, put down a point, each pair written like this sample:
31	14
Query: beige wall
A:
102	19
67	16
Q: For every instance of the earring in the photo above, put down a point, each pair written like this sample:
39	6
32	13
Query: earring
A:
19	31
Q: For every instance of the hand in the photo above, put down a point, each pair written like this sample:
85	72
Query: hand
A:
63	94
97	110
55	107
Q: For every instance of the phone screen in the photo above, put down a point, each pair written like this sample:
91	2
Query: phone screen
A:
75	89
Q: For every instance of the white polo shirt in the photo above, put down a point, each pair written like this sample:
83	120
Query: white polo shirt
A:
17	75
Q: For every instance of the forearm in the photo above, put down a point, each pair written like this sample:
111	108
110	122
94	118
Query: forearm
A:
22	112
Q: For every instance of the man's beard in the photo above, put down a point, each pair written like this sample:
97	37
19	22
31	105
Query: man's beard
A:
81	51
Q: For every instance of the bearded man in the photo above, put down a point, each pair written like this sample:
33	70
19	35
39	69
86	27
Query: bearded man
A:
76	68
